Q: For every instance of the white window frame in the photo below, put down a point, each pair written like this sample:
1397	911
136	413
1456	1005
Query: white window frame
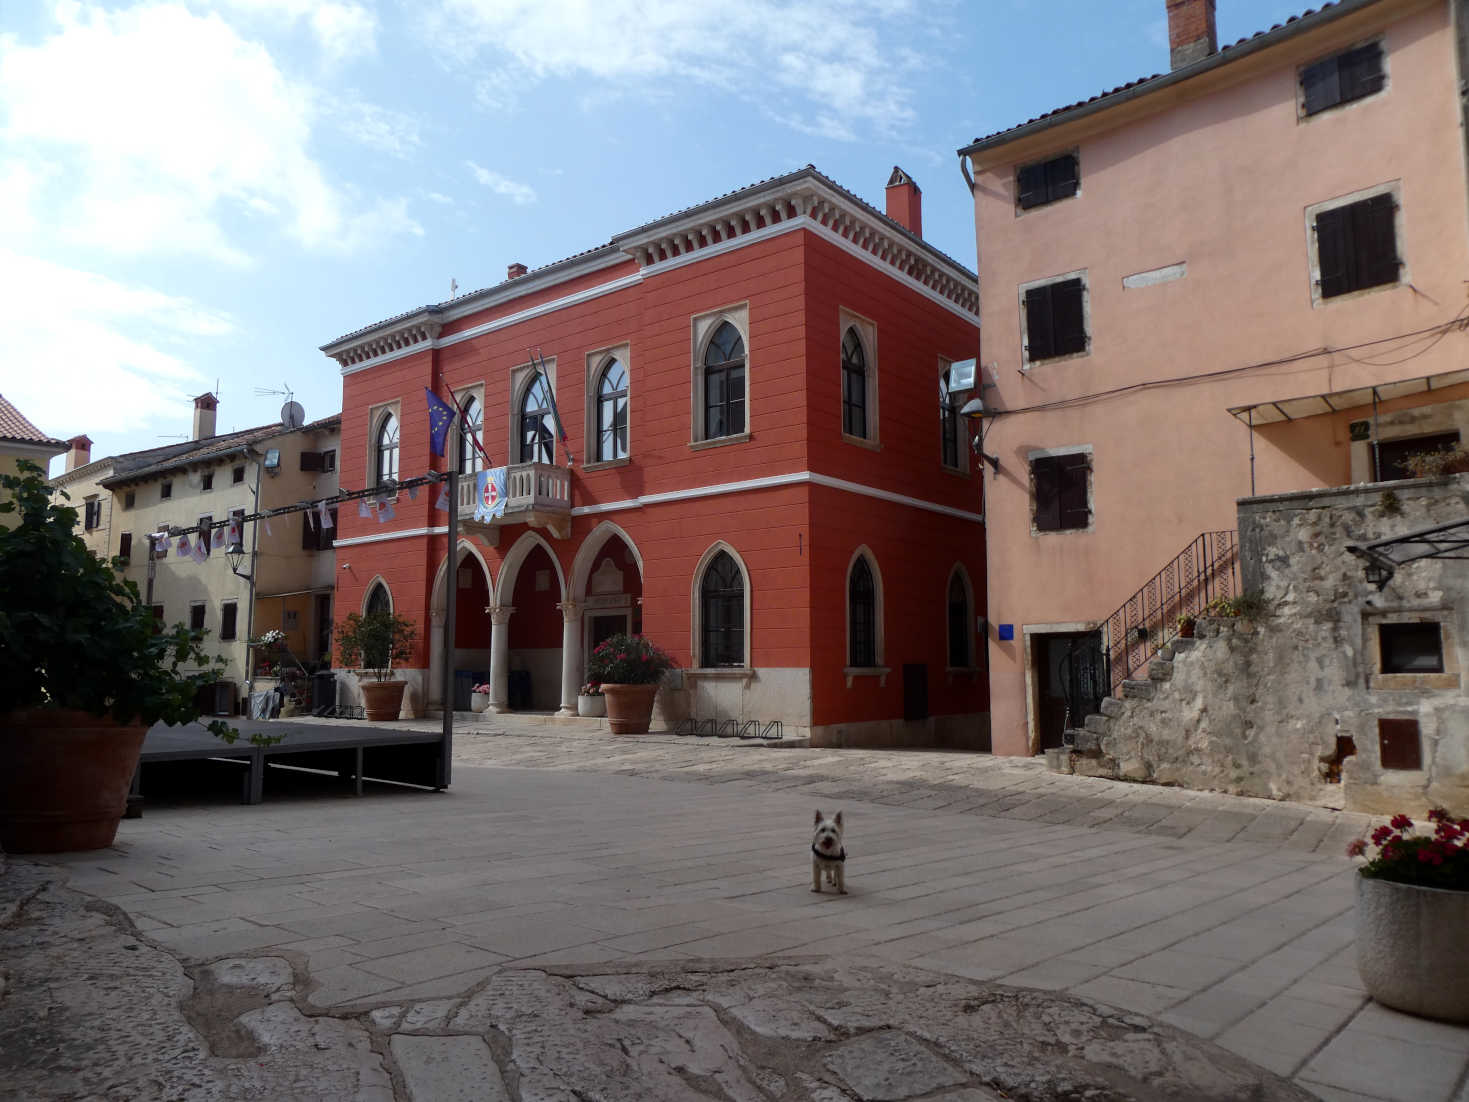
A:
1313	256
596	361
375	416
521	378
702	328
456	435
1026	363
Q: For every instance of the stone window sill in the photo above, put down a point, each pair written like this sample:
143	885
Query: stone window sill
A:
862	442
879	672
721	673
1412	682
606	464
718	441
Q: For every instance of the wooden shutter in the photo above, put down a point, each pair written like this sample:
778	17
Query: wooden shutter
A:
227	614
1040	334
1398	744
1032	186
326	539
1045	474
1360	72
311	461
1067	318
1374	241
1322	85
125	545
309	523
196	617
1062	177
1332	251
1073	479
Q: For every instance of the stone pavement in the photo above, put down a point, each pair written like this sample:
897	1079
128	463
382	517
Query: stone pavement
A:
1229	919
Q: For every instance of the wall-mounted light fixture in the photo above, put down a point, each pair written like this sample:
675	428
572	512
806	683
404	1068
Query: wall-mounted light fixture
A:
235	554
975	408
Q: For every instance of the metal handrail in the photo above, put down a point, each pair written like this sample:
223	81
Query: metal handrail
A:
1206	569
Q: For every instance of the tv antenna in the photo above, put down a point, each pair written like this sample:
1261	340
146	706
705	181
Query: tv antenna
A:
292	415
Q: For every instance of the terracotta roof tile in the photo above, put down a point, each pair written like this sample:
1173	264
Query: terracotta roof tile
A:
14	426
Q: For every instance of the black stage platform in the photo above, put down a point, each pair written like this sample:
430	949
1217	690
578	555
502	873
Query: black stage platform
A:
354	751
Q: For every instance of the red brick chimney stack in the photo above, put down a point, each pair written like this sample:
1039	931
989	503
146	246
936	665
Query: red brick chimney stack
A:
1192	33
516	270
905	201
80	454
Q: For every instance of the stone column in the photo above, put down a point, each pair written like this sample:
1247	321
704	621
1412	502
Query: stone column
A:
436	659
500	657
570	656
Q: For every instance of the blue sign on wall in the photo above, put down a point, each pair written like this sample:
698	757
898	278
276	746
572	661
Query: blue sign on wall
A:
1007	632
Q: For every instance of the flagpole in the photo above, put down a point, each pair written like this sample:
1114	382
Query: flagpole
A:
451	599
540	362
466	429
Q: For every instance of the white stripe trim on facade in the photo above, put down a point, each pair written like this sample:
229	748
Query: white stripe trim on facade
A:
408	534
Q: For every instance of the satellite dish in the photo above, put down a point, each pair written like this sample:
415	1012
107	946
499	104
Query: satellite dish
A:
292	415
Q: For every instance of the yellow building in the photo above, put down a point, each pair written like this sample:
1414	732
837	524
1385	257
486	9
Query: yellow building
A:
19	439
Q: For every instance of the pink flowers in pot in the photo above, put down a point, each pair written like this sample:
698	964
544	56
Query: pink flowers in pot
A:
1437	860
485	689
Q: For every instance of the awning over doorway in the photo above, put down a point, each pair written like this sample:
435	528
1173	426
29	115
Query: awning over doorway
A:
1313	405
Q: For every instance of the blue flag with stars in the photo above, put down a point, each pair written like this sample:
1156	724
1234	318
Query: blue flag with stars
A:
440	416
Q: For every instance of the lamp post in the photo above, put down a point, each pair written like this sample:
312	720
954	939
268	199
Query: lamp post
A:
235	554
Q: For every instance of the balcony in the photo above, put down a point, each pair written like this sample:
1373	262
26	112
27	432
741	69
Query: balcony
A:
538	494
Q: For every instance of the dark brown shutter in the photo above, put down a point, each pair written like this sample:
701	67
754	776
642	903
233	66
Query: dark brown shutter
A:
1061	177
196	617
1073	479
227	614
1045	474
1032	186
327	537
1322	85
1040	335
1398	744
308	530
1375	241
1332	251
311	461
1360	71
1067	318
125	545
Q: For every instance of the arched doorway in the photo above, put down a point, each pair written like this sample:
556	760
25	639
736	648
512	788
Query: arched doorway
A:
471	586
607	585
534	680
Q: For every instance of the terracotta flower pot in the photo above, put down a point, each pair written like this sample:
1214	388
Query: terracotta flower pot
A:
1411	949
383	700
64	779
629	707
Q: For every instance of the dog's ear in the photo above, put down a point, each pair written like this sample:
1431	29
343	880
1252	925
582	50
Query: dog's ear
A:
838	820
818	817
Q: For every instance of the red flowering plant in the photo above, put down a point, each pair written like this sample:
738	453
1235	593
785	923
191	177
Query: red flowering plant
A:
628	660
1437	860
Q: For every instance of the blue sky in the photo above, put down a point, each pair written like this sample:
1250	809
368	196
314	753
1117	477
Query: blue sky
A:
202	190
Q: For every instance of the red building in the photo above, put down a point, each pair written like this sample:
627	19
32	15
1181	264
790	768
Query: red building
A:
765	471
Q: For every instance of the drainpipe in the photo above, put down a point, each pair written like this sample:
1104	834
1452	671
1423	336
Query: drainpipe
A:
249	663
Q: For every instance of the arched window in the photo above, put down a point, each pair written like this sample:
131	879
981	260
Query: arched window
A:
722	613
948	423
958	623
854	385
612	412
470	459
537	442
387	449
724	383
862	615
378	599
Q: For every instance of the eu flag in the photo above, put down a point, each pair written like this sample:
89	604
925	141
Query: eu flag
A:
440	416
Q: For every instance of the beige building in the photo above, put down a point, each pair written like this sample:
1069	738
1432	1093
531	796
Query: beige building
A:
284	573
19	439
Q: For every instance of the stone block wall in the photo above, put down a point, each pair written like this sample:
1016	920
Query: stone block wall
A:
1258	708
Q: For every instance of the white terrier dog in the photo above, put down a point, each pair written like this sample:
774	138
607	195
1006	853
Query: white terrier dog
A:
828	855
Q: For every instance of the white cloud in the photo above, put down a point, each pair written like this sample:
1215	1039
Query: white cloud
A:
518	193
342	28
166	126
380	128
797	59
93	355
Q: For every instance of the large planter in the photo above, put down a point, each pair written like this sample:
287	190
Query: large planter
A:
64	779
629	707
1412	948
590	705
383	700
479	702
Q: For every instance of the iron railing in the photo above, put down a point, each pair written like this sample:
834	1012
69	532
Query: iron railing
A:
1207	568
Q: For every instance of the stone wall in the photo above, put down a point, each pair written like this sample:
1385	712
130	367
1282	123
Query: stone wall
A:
1258	708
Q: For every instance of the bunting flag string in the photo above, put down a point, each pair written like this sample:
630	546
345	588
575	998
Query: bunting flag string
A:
183	545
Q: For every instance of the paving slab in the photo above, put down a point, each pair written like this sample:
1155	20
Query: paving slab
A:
448	1069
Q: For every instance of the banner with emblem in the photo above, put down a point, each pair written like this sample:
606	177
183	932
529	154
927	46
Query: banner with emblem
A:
489	498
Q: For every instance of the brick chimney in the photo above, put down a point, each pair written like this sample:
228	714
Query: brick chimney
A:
204	407
516	270
905	201
1192	34
80	454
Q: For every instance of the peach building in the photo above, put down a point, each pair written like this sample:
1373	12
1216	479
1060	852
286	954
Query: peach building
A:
1246	276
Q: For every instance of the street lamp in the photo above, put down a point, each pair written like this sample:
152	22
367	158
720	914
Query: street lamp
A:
975	408
235	553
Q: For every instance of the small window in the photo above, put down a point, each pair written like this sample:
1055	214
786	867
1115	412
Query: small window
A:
237	475
316	536
311	461
157	619
129	499
125	546
328	460
724	383
1341	79
1399	744
1391	459
206	536
861	616
722	613
958	623
386	444
196	616
379	600
206	481
1047	181
1055	320
228	611
1411	648
1356	246
165	491
948	423
160	550
93	514
537	434
1061	484
612	412
854	385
